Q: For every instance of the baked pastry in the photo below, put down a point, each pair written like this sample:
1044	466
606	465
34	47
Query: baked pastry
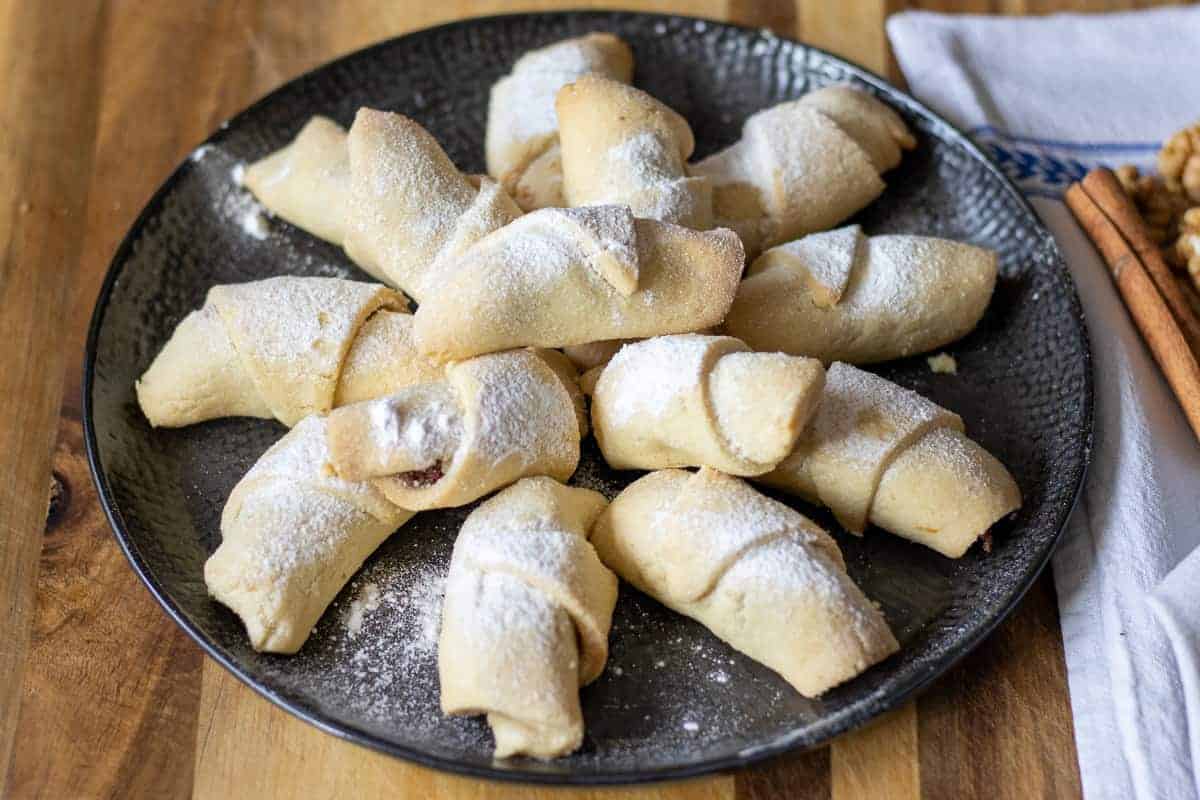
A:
620	146
522	129
307	182
804	165
757	574
568	373
490	421
693	400
386	192
285	348
843	296
877	452
594	354
292	534
526	616
410	207
560	277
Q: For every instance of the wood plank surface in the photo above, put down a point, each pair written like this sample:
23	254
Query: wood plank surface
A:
100	694
47	123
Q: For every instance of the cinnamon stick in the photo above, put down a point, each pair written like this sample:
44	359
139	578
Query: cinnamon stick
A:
1105	190
1145	303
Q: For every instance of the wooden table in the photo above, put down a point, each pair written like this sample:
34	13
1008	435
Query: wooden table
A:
100	694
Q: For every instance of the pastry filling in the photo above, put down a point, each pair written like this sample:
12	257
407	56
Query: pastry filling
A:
422	478
410	436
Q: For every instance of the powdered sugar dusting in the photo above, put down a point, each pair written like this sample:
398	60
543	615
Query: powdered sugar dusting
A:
646	173
367	601
200	152
522	106
828	258
301	458
406	196
712	521
953	451
294	332
421	426
668	369
239	206
509	397
863	421
524	259
379	662
253	222
861	415
899	268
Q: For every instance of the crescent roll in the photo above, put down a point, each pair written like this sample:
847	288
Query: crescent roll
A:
307	182
843	296
292	534
804	165
560	277
594	354
569	375
385	191
877	452
488	422
692	400
285	348
410	207
759	575
620	146
526	616
521	142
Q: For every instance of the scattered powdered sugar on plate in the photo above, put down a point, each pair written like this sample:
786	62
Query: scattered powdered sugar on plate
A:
593	474
366	602
385	631
200	152
237	204
253	222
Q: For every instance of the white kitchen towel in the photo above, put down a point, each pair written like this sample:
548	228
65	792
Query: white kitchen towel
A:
1049	98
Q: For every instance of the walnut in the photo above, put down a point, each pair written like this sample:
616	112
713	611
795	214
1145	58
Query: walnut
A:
1186	251
1179	162
1191	179
1127	176
1155	201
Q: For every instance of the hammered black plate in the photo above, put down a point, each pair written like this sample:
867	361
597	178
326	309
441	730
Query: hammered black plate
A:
674	701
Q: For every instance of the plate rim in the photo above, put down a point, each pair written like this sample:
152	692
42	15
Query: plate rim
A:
783	745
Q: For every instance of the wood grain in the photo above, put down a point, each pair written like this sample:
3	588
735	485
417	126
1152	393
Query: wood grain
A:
879	761
249	748
999	725
47	120
106	697
111	687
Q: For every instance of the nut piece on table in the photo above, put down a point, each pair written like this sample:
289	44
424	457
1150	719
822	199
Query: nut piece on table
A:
1179	162
1159	204
1186	251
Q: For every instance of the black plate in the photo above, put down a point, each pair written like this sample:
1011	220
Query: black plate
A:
674	701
